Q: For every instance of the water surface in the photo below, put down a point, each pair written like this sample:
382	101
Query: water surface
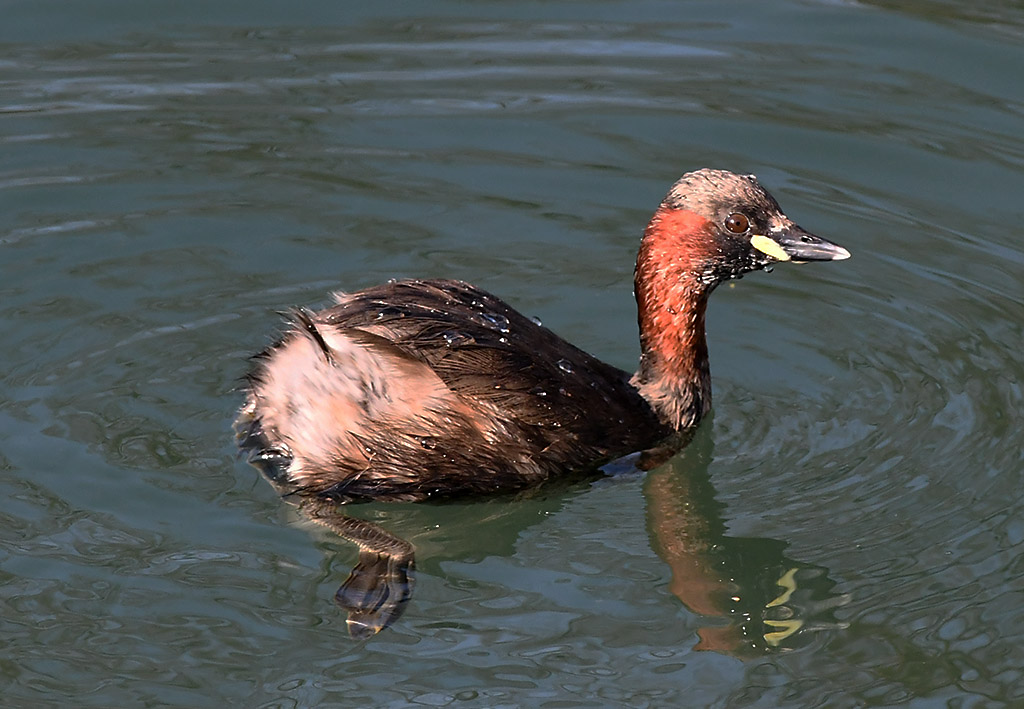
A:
172	175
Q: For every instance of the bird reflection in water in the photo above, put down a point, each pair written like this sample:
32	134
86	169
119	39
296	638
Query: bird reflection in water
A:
757	599
762	599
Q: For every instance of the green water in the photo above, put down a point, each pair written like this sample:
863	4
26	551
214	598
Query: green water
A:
173	174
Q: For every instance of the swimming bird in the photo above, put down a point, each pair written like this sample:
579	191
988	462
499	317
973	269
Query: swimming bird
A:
426	389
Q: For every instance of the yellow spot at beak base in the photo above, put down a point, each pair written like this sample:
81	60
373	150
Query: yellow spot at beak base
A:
768	246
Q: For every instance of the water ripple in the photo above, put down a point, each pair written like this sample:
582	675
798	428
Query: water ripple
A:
167	191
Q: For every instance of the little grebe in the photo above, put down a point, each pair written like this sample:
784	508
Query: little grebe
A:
429	388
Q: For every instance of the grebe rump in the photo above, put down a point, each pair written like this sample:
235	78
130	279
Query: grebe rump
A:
434	388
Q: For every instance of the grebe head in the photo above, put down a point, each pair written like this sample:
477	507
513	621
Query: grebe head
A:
727	225
712	225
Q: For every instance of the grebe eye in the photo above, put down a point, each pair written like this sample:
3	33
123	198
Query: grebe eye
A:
737	223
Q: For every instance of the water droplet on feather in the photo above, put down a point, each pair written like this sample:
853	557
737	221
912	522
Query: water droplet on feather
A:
454	338
496	320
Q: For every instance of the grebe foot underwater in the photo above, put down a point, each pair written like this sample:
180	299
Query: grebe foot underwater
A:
379	586
424	389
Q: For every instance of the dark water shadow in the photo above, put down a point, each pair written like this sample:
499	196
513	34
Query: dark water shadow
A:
755	597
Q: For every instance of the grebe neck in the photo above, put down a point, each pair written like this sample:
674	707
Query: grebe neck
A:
672	284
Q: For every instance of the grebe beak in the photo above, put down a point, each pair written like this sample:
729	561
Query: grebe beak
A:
792	243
